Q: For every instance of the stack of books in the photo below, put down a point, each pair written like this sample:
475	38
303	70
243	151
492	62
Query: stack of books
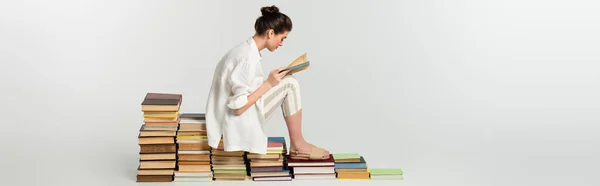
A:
350	166
387	174
157	137
193	152
271	166
228	165
312	169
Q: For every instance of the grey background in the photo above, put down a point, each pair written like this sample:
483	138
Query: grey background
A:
453	92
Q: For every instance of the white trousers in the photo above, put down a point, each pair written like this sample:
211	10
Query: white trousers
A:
285	95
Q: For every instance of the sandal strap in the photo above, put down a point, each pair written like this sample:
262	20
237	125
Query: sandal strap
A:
316	153
294	151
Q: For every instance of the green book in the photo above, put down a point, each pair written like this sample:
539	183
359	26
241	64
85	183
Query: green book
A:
296	68
228	168
385	171
227	172
339	156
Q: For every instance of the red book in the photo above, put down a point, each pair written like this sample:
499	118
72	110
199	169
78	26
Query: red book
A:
274	144
311	163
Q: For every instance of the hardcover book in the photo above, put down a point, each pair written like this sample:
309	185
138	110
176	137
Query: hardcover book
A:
301	63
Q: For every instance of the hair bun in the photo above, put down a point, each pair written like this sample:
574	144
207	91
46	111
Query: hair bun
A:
269	10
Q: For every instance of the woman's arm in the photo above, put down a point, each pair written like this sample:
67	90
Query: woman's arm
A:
274	78
253	97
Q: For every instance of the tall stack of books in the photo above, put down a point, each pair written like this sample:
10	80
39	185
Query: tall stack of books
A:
351	166
271	166
387	174
312	169
157	137
193	153
228	165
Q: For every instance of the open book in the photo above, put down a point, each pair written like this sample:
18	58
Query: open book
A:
301	63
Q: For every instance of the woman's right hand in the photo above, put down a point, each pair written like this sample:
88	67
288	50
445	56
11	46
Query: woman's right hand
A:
275	77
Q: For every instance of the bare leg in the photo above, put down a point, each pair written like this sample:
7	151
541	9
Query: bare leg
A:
294	125
286	95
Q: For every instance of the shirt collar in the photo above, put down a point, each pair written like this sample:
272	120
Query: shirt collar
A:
254	48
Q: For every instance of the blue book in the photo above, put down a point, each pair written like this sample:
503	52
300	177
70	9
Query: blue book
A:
352	165
276	139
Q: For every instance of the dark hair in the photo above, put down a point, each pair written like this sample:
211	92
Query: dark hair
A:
272	19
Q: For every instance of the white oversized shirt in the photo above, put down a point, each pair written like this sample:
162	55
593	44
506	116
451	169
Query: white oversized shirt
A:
236	76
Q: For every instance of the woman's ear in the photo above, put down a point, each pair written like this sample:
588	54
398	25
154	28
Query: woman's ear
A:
270	33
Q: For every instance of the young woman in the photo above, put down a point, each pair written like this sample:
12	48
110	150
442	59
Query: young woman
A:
241	99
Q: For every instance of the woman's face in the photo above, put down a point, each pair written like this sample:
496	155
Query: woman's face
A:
276	40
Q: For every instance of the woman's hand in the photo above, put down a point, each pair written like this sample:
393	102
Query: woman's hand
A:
275	77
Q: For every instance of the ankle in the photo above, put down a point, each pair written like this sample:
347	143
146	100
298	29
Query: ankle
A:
299	143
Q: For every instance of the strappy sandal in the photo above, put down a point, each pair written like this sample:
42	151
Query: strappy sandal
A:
316	153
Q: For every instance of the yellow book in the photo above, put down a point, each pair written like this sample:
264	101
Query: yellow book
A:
192	137
161	114
274	151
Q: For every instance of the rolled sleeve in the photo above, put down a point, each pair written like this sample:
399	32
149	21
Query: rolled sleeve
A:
239	80
237	102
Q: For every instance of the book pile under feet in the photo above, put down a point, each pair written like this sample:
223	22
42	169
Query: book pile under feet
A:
271	166
193	153
157	137
312	169
350	166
